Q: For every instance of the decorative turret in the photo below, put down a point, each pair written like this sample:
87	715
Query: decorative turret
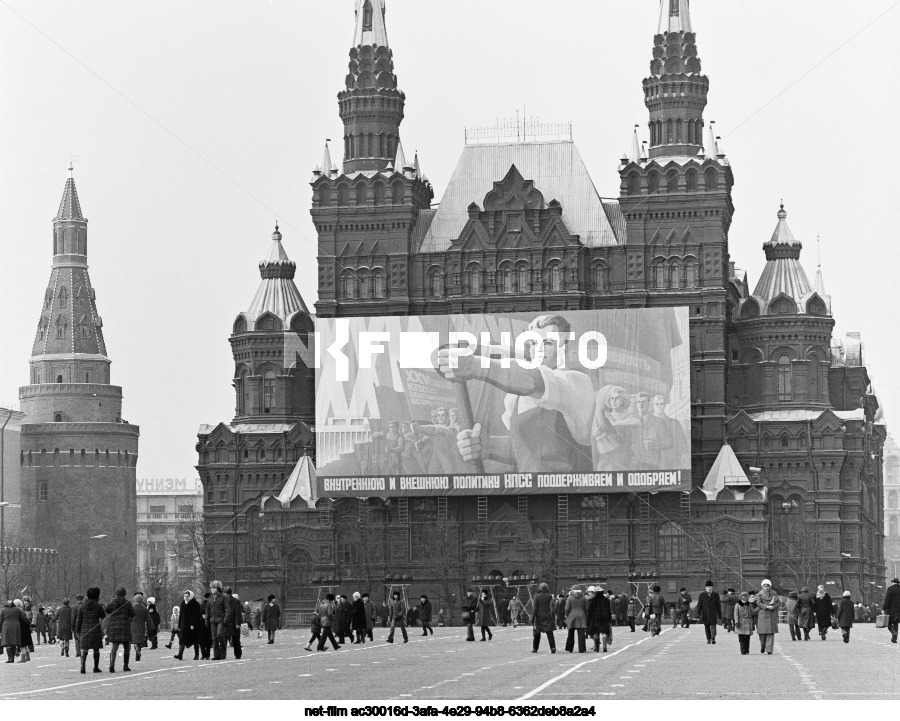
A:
371	106
675	93
277	294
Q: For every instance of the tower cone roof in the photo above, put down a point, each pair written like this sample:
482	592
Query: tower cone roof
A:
674	16
635	153
69	206
400	163
328	167
371	28
277	292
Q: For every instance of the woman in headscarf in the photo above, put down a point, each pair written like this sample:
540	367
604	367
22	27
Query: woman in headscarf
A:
805	616
88	628
11	620
190	621
824	610
139	624
26	648
768	603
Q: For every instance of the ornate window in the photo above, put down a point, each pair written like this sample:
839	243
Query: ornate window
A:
63	297
523	281
363	284
672	180
246	403
349	285
692	179
436	284
690	273
653	182
598	278
711	179
507	280
659	275
43	491
785	379
633	184
675	275
378	283
555	278
269	391
474	278
672	543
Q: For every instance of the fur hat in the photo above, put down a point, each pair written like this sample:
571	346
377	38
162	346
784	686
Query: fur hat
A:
766	582
356	596
543	587
656	589
151	601
709	584
846	594
682	590
271	597
591	589
895	580
93	593
120	591
235	597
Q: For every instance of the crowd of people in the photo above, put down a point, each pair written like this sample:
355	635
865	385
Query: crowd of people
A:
208	626
211	625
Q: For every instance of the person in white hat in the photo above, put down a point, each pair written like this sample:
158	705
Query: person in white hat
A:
845	616
768	603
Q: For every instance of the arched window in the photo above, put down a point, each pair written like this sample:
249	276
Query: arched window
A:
653	182
675	275
785	379
436	284
378	192
57	418
690	273
362	282
672	181
670	131
474	274
43	491
892	500
324	193
378	283
398	191
633	184
679	131
813	378
360	194
349	285
63	297
246	404
269	391
659	275
523	283
507	279
892	526
711	179
240	325
598	278
555	278
672	543
692	179
343	195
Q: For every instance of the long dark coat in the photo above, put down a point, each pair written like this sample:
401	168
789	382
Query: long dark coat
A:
709	608
234	614
575	610
358	615
120	613
425	612
543	612
599	615
87	624
64	618
271	616
805	618
190	622
139	625
823	609
344	616
204	640
845	614
40	622
891	605
11	620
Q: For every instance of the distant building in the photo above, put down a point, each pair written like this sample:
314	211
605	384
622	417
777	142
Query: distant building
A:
891	508
78	456
169	521
10	475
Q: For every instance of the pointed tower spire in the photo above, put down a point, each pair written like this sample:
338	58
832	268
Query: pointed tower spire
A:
400	163
635	154
675	93
277	292
327	165
371	106
819	286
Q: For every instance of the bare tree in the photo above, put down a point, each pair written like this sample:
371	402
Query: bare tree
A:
192	544
441	549
13	574
795	554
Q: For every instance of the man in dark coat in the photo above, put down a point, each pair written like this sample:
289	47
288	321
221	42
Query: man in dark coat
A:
65	616
560	610
683	608
397	613
891	607
120	613
543	621
139	624
205	639
153	621
233	622
358	619
728	604
11	620
271	618
343	616
87	627
190	620
709	611
79	602
425	615
805	616
216	619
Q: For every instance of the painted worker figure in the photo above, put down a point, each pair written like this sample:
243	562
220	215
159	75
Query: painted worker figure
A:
547	410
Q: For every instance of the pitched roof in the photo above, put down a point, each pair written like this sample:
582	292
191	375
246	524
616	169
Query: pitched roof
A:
69	207
558	173
302	483
726	471
277	293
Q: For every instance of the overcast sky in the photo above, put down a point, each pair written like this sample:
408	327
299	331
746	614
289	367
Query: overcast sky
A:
195	125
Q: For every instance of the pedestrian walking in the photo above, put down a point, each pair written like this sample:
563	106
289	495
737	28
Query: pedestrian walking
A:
632	611
40	626
79	601
576	619
469	612
824	610
139	624
315	630
728	604
743	622
513	609
173	625
271	617
120	612
204	639
343	616
358	619
88	630
257	621
543	621
768	603
655	611
622	609
425	615
485	609
190	621
246	619
325	612
709	611
64	618
11	621
754	611
683	608
153	623
561	611
216	612
604	603
891	607
27	646
397	613
845	615
806	617
234	615
371	616
793	615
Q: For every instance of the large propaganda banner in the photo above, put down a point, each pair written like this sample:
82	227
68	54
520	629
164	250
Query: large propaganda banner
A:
513	403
